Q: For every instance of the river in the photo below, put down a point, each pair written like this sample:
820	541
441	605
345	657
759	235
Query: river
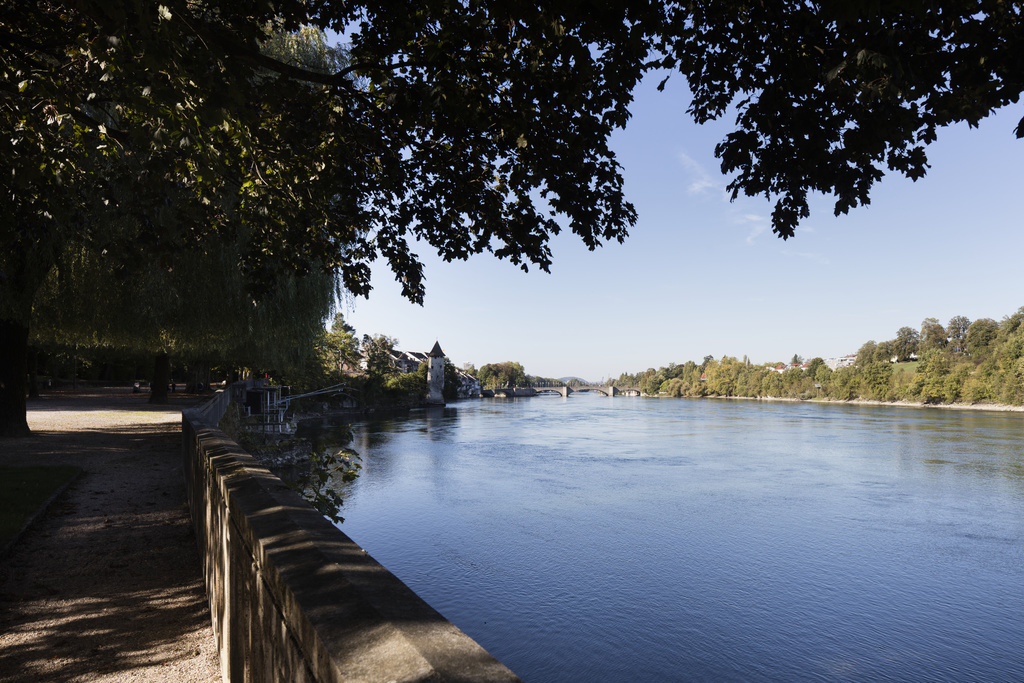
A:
636	539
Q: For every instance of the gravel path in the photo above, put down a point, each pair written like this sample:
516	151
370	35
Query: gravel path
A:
107	586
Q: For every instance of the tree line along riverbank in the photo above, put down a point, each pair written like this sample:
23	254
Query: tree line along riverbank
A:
964	363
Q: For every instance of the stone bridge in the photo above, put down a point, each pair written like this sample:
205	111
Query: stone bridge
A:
562	391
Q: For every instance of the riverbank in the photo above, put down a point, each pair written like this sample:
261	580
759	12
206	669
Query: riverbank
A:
287	453
995	407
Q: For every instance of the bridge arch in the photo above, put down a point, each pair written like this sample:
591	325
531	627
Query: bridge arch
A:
607	391
561	391
610	390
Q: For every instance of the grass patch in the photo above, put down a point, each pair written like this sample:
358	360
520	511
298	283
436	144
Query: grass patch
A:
24	489
910	366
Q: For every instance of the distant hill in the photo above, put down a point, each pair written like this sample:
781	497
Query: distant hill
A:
569	379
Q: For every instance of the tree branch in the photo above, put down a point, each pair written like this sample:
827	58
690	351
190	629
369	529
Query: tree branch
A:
118	136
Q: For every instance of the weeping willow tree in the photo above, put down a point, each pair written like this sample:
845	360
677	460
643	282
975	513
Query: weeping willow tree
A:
153	241
197	307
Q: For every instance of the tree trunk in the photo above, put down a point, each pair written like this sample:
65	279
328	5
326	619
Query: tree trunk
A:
13	378
33	374
161	378
198	377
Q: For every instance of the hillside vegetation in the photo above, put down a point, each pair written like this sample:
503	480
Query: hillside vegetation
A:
962	362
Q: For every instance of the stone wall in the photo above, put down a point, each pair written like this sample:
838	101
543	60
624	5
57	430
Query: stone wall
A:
292	598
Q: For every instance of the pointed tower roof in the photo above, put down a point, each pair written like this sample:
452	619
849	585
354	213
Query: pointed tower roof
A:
436	352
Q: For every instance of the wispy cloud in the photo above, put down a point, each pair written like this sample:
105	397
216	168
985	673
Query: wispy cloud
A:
702	182
821	259
754	224
817	258
700	186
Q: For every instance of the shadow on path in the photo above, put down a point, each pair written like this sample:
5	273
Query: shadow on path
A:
109	399
107	585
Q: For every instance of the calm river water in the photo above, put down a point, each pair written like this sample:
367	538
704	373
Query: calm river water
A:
634	539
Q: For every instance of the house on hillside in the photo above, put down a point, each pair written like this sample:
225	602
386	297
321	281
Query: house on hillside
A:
404	361
408	361
841	362
782	367
469	386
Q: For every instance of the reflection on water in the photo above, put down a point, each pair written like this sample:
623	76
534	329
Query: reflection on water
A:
624	539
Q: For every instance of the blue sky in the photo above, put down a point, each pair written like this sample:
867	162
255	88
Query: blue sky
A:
699	275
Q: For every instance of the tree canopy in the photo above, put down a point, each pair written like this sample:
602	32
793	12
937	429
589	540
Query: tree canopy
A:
500	375
828	96
470	126
467	127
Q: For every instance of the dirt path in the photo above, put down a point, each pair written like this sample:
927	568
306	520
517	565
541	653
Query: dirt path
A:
107	586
